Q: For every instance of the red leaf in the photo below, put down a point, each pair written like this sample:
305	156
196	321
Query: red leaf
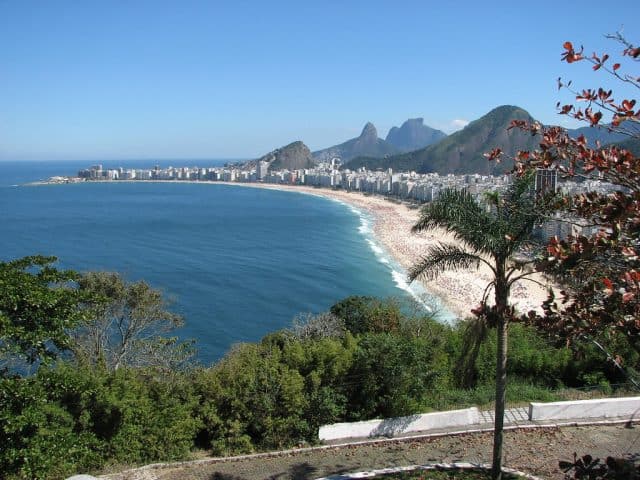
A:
494	154
628	104
616	66
607	283
566	109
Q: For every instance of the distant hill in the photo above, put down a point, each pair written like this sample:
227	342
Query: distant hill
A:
413	135
294	156
463	151
595	134
631	144
607	137
367	144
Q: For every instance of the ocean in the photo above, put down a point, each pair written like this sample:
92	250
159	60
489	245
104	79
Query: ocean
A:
236	262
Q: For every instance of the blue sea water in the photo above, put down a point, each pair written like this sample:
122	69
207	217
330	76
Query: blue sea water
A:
237	262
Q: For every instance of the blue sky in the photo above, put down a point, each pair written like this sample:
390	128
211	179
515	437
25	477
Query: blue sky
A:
207	79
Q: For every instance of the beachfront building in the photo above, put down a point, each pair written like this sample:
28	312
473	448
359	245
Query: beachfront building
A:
406	186
261	170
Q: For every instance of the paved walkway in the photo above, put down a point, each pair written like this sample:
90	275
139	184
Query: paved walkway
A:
534	450
532	446
512	416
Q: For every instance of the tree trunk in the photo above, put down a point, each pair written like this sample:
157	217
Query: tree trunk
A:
502	325
501	384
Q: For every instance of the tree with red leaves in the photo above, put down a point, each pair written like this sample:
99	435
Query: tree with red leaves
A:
600	268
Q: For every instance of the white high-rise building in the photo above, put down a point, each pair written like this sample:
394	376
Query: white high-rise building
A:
262	169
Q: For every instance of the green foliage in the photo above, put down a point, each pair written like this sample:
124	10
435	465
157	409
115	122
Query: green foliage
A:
38	437
83	416
518	392
392	375
590	366
127	325
142	418
38	304
531	358
324	365
65	419
274	393
254	395
368	314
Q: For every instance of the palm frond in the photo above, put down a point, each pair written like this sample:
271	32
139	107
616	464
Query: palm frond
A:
443	257
497	228
457	212
519	212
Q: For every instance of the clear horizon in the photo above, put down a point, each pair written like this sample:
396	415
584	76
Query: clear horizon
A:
197	80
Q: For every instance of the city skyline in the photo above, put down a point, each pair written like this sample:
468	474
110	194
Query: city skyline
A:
201	80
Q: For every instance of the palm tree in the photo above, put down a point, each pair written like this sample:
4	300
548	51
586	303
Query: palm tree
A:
490	234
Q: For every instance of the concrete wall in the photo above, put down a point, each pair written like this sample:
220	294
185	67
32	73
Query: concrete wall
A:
605	407
394	426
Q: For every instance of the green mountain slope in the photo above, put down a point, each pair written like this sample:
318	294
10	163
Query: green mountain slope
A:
463	151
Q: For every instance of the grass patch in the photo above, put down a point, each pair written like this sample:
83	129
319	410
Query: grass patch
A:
519	393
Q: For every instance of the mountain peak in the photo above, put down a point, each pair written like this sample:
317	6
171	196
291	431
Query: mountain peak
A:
418	122
413	135
462	151
294	156
367	144
369	130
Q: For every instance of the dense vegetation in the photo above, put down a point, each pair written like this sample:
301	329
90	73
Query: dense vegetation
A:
365	358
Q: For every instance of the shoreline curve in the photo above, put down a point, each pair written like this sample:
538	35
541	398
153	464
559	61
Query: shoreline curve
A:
458	291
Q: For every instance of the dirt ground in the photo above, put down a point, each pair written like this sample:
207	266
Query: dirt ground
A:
533	451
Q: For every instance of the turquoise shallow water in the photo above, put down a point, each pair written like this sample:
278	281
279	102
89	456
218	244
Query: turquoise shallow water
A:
237	262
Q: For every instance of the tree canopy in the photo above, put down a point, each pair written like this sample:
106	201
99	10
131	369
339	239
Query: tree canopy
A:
599	266
39	304
363	314
127	324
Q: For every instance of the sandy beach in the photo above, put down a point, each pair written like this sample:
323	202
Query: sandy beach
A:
459	291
